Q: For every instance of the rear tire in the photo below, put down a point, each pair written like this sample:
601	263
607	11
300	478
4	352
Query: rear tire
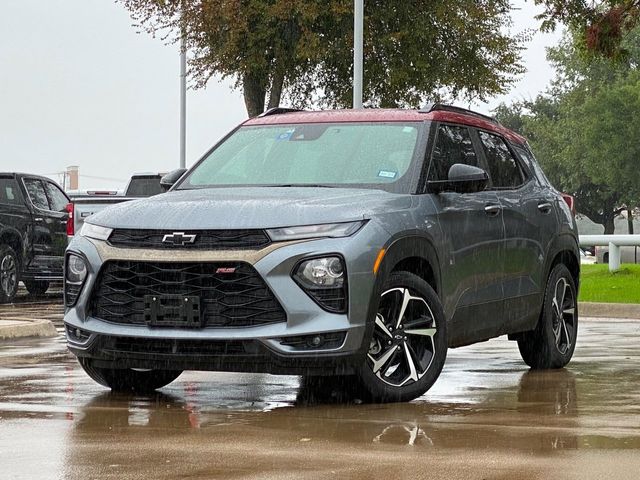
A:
36	287
552	343
9	274
127	379
409	343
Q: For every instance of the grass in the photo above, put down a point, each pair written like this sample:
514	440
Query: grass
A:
598	285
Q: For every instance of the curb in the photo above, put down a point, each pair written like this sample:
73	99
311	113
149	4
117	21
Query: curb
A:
609	310
16	327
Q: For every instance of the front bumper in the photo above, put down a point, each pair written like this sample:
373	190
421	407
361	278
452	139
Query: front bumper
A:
285	347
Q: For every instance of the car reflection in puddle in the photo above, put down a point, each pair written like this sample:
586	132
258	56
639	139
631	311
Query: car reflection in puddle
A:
541	416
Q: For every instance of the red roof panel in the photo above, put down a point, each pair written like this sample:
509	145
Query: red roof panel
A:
384	115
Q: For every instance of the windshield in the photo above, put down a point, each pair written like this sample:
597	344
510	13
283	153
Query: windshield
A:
367	155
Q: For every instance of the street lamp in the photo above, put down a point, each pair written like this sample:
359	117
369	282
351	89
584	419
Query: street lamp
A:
358	40
183	101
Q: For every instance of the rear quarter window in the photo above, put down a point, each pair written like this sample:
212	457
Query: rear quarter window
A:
528	158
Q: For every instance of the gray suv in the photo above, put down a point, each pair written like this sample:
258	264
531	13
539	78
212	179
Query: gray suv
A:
355	246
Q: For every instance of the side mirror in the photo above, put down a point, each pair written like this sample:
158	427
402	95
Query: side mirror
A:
169	180
461	179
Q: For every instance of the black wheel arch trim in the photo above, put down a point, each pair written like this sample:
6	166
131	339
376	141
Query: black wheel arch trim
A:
562	243
408	244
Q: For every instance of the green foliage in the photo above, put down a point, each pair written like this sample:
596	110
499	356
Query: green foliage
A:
600	27
597	284
414	50
583	129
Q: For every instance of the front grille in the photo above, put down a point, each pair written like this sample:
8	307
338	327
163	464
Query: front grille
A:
231	294
149	346
204	239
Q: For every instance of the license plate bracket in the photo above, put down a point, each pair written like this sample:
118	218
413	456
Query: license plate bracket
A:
172	311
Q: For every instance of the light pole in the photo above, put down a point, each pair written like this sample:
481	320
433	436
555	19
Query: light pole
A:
183	102
358	40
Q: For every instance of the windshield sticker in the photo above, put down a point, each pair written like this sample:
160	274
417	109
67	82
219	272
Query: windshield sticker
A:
387	174
284	136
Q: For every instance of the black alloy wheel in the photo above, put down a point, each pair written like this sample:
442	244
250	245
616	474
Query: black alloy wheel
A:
9	274
552	343
409	343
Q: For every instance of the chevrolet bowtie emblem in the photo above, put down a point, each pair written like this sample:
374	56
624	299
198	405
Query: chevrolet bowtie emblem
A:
179	239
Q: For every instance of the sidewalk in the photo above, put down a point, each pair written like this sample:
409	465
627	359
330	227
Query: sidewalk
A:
16	327
609	310
31	316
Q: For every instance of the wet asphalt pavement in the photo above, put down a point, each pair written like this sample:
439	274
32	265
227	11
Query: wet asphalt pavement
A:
487	417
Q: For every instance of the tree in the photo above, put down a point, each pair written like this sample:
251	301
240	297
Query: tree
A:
583	130
302	49
600	26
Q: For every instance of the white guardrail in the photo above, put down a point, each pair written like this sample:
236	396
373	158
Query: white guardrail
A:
614	242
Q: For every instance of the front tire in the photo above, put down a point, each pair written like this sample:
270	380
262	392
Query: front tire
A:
127	379
409	343
36	287
552	343
9	274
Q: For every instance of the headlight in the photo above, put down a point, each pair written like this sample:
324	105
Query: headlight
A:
76	269
321	272
75	273
325	281
95	231
333	230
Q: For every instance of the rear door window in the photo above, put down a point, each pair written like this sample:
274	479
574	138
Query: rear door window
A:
58	201
36	192
453	145
503	167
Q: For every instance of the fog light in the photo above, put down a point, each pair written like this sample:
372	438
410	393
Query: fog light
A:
325	341
77	335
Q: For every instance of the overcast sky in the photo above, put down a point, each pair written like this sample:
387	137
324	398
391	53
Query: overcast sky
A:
79	86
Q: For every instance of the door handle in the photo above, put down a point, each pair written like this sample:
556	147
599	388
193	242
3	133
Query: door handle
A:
545	207
38	219
492	210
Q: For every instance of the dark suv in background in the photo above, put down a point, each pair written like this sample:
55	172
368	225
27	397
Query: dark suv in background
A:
354	244
34	218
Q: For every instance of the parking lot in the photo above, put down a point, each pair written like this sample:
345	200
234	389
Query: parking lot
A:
488	416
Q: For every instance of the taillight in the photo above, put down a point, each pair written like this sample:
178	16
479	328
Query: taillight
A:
570	201
71	229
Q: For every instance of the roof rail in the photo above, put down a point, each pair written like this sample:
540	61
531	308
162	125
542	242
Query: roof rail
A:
278	110
432	107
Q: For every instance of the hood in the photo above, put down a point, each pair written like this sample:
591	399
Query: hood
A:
254	207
